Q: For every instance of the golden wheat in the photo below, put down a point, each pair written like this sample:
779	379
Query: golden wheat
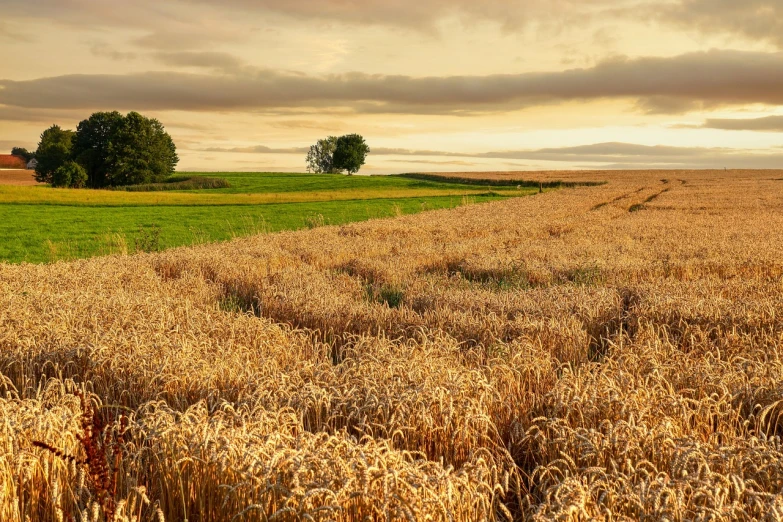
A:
608	352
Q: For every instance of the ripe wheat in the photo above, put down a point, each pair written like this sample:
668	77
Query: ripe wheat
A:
603	352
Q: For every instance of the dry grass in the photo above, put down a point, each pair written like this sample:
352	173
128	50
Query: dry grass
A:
558	357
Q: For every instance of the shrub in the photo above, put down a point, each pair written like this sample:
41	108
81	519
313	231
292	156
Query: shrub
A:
70	174
179	183
391	295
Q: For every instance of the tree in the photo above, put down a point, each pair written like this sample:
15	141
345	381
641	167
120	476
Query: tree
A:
91	145
320	158
22	153
70	174
53	151
350	153
139	151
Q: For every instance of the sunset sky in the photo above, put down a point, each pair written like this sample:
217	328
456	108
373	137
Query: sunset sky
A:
432	85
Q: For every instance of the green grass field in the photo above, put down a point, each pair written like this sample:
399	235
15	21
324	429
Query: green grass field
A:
40	224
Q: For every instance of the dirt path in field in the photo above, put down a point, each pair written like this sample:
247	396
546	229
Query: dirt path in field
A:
17	177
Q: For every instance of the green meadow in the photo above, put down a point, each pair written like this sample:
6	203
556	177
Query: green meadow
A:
42	224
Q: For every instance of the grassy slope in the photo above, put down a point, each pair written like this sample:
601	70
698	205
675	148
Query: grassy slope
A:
42	224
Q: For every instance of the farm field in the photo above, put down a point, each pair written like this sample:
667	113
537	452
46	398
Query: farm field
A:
602	352
17	177
38	223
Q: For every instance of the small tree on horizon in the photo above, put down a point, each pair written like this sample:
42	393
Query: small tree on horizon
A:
350	153
320	157
333	155
22	153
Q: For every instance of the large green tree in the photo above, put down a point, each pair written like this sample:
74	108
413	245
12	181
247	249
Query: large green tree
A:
350	152
140	151
91	145
54	150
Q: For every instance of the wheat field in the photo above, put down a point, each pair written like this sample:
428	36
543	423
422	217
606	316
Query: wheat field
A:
609	352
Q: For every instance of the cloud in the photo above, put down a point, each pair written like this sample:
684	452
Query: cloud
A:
260	149
7	145
753	19
419	14
191	36
306	124
13	33
381	151
20	114
161	24
201	24
202	59
104	50
457	163
678	84
766	124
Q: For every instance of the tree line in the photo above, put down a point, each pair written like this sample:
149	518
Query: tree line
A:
107	149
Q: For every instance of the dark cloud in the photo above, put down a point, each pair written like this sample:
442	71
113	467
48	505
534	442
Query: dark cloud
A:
458	163
766	124
199	24
260	149
7	145
20	114
306	124
754	19
165	20
104	50
677	84
419	14
186	38
202	59
381	151
162	24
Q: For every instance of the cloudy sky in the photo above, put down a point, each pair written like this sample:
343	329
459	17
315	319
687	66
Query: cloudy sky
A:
433	85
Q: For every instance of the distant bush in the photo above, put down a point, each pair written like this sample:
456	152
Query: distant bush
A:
179	183
69	175
518	183
23	153
392	296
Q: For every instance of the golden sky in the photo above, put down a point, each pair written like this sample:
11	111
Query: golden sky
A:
431	84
